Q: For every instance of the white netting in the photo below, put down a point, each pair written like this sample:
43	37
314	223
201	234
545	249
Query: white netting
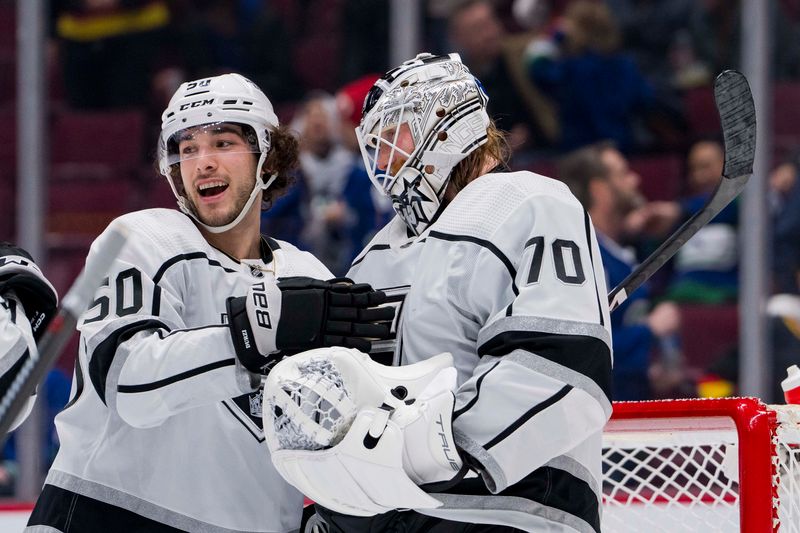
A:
682	474
318	393
787	472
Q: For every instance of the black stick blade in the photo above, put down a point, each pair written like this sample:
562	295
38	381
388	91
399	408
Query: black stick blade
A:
738	117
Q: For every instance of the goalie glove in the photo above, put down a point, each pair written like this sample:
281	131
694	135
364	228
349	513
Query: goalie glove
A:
329	423
20	276
301	313
430	457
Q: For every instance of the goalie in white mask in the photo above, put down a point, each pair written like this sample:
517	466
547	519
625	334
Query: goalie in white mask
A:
163	428
502	270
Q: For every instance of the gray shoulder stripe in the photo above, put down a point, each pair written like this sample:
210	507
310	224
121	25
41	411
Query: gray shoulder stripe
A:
544	325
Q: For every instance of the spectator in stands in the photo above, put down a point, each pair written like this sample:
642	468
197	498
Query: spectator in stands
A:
213	37
705	269
715	29
721	378
599	91
374	210
599	176
109	49
330	209
516	105
785	199
365	33
656	34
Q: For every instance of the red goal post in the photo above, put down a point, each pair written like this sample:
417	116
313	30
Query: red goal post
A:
729	464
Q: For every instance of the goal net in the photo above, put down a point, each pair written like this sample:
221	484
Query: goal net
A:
727	465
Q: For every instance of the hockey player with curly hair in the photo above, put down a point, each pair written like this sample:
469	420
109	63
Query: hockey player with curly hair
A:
163	429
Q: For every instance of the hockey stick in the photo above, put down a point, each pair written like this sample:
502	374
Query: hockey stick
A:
738	118
58	331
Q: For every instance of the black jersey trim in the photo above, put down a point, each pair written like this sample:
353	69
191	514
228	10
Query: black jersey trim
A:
79	384
549	486
538	408
478	383
245	423
198	328
485	244
146	387
102	357
65	510
588	227
173	261
372	248
586	355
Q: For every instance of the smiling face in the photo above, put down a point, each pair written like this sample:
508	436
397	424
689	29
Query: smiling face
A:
218	171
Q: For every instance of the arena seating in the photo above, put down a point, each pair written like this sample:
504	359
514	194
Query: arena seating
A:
707	332
662	175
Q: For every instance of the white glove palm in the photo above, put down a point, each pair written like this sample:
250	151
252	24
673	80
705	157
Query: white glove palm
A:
429	451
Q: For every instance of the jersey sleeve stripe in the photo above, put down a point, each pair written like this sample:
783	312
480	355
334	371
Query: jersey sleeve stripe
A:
102	356
549	493
146	387
464	409
541	406
198	328
485	244
586	356
539	324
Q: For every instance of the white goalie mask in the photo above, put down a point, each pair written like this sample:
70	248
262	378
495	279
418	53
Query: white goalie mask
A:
216	105
419	121
311	399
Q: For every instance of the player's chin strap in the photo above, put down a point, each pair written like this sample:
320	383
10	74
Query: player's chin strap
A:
260	185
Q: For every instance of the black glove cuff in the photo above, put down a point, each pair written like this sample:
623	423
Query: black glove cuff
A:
36	296
243	340
301	327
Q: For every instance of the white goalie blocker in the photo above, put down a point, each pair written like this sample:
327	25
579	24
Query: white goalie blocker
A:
359	437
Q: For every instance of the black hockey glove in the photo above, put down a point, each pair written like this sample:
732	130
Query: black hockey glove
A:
301	313
20	275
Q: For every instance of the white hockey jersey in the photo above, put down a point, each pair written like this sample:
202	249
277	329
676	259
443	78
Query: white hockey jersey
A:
509	280
163	422
16	347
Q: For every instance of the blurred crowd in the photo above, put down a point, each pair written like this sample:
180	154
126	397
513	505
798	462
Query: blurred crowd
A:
611	96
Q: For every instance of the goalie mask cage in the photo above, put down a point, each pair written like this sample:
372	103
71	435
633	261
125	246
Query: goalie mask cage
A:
727	465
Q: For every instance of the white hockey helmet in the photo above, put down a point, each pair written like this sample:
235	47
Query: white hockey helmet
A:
209	102
444	107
